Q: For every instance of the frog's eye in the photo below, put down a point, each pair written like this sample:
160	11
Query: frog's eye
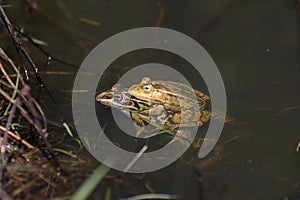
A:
147	88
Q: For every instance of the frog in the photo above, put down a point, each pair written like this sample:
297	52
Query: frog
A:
164	113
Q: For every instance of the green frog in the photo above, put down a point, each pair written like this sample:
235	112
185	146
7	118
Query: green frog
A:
164	104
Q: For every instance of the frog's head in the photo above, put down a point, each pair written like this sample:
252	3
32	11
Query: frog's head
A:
117	98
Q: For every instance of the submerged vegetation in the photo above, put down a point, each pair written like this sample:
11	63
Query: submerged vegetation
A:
32	157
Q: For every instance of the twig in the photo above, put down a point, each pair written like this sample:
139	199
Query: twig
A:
21	51
10	62
3	194
215	19
161	14
200	185
31	106
7	126
297	5
138	155
33	5
5	21
17	138
39	47
12	86
32	112
6	75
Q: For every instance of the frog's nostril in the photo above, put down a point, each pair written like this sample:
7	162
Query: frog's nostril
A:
108	96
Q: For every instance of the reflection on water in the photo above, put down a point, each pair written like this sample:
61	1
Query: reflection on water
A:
253	43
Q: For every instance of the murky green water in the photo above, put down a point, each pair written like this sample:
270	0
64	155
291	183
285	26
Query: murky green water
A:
255	45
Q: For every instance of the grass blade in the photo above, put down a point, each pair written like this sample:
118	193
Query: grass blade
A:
90	184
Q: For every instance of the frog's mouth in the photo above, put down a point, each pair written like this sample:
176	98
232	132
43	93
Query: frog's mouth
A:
105	98
111	99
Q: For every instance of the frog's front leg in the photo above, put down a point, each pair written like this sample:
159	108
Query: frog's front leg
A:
154	116
137	119
140	121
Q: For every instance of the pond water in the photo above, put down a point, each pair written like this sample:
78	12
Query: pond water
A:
255	45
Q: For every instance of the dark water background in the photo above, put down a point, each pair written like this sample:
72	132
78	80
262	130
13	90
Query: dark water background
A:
255	45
